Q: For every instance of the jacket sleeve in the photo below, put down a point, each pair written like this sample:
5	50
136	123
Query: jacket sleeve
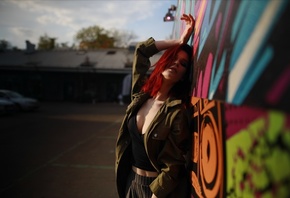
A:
172	157
141	63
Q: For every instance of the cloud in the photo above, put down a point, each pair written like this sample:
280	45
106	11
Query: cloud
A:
47	12
22	32
63	18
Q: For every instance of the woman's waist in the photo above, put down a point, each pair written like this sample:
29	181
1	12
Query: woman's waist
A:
145	173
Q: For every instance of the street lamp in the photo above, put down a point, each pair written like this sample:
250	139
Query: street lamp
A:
169	15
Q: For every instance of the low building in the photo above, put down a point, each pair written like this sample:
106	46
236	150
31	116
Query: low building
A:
67	75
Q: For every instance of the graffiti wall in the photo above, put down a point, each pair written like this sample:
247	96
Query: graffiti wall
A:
241	96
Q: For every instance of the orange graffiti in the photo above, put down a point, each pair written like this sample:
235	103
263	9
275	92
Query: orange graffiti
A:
208	153
211	163
195	147
195	184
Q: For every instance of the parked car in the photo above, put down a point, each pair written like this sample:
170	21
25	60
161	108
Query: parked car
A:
7	107
22	103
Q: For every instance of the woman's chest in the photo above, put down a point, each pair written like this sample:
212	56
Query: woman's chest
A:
147	114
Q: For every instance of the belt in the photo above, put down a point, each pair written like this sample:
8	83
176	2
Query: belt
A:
145	173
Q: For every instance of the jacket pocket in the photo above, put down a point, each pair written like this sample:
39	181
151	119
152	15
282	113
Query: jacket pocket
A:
160	133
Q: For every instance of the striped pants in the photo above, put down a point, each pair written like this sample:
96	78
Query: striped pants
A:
138	186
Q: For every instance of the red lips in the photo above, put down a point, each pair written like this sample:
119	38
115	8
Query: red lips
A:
173	68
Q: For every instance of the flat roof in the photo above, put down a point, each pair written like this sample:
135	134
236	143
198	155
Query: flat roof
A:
102	60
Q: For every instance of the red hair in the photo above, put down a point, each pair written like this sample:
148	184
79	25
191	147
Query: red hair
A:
153	84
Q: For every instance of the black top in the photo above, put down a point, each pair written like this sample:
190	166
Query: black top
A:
140	158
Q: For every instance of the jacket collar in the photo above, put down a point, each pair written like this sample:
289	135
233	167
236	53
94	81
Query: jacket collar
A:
140	98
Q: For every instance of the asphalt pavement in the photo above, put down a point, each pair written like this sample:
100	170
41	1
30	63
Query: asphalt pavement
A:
62	150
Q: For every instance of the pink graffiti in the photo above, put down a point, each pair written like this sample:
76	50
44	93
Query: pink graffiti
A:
214	57
241	154
277	90
199	84
207	74
218	25
200	12
239	117
204	79
224	34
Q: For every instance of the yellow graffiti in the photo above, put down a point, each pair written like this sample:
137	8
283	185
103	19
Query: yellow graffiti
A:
258	158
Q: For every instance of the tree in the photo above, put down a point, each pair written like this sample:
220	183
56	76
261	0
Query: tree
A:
46	43
122	37
4	45
94	37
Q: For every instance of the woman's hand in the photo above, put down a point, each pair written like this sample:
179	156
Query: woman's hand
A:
190	22
165	44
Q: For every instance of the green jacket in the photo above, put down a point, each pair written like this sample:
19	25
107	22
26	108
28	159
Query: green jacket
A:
166	141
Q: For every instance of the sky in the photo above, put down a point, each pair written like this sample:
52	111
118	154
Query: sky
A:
22	20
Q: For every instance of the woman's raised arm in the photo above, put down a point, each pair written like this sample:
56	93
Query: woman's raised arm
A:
165	44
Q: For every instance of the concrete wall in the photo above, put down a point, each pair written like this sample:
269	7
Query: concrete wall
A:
241	94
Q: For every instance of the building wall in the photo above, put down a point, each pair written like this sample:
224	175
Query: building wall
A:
240	94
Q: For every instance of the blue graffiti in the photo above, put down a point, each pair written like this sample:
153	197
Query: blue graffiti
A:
208	23
247	19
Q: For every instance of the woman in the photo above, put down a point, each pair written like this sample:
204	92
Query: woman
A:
154	136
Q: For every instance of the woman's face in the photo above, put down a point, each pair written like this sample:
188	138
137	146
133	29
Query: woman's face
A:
176	71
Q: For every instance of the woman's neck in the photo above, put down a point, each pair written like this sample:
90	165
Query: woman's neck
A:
163	92
160	97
